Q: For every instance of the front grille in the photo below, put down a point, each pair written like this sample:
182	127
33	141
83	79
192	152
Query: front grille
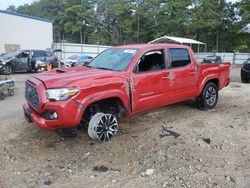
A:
31	95
247	66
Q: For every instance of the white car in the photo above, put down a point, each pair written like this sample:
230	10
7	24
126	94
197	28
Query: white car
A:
75	60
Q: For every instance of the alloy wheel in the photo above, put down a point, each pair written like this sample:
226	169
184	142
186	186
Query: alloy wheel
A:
103	127
211	96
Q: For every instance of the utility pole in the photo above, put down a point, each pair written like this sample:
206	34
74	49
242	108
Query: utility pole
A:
138	22
217	40
81	36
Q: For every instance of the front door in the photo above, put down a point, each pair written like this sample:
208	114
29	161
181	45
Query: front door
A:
150	81
22	62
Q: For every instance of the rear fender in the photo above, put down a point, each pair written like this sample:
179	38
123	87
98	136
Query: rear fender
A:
205	81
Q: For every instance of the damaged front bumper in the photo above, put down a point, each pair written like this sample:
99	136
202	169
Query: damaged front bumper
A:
53	117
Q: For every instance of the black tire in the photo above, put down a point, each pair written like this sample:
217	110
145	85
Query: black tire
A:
2	96
243	79
209	96
7	70
11	92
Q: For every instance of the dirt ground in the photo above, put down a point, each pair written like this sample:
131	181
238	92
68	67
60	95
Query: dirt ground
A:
138	156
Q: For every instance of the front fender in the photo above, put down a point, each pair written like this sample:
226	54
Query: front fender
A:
83	104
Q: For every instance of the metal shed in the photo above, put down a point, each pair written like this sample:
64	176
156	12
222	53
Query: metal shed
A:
178	40
19	31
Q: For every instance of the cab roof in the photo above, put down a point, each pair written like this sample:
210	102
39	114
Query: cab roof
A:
152	46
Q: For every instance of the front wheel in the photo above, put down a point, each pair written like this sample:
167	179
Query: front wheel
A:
2	96
103	127
244	80
209	96
7	70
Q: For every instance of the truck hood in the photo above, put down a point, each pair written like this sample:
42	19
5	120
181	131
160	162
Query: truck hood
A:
61	77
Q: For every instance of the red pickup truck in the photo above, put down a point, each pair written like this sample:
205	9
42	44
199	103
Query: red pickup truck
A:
119	82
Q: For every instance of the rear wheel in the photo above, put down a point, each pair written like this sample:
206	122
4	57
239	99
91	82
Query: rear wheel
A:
11	92
209	96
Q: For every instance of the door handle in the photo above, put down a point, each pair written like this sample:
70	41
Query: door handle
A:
165	77
192	73
170	76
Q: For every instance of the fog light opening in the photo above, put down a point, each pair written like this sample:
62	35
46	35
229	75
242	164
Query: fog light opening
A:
53	116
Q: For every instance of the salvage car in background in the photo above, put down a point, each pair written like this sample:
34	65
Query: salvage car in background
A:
245	71
75	60
118	83
26	60
211	59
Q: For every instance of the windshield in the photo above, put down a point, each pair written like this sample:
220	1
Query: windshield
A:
10	54
211	58
116	59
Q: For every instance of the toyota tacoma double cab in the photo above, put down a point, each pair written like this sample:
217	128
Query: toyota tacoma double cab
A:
118	83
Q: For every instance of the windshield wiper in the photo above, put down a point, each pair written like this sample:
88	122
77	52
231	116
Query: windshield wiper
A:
103	68
88	66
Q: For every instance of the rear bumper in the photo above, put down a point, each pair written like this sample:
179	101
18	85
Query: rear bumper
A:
64	120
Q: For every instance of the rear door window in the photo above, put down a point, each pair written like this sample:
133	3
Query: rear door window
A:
179	57
38	54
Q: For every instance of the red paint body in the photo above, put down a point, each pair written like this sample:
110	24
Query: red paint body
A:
148	90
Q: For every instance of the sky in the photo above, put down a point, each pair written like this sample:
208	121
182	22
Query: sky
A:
5	3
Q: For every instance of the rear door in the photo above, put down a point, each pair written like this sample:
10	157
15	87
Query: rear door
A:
39	55
150	81
185	73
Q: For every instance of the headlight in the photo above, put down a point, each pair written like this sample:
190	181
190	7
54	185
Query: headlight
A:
61	94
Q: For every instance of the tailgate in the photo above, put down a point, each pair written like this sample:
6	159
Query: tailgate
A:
224	74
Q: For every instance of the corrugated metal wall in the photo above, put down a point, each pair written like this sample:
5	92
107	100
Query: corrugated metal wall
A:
233	58
26	32
69	49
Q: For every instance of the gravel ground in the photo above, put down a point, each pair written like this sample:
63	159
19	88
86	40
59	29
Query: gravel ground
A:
213	149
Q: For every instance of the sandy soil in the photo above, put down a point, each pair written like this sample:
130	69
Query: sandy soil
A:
137	157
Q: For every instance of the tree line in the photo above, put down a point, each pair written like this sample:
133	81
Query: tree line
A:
221	24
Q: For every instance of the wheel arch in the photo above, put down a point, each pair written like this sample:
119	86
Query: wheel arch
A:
116	97
205	82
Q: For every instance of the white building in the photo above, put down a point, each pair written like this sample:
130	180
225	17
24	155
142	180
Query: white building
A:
18	31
